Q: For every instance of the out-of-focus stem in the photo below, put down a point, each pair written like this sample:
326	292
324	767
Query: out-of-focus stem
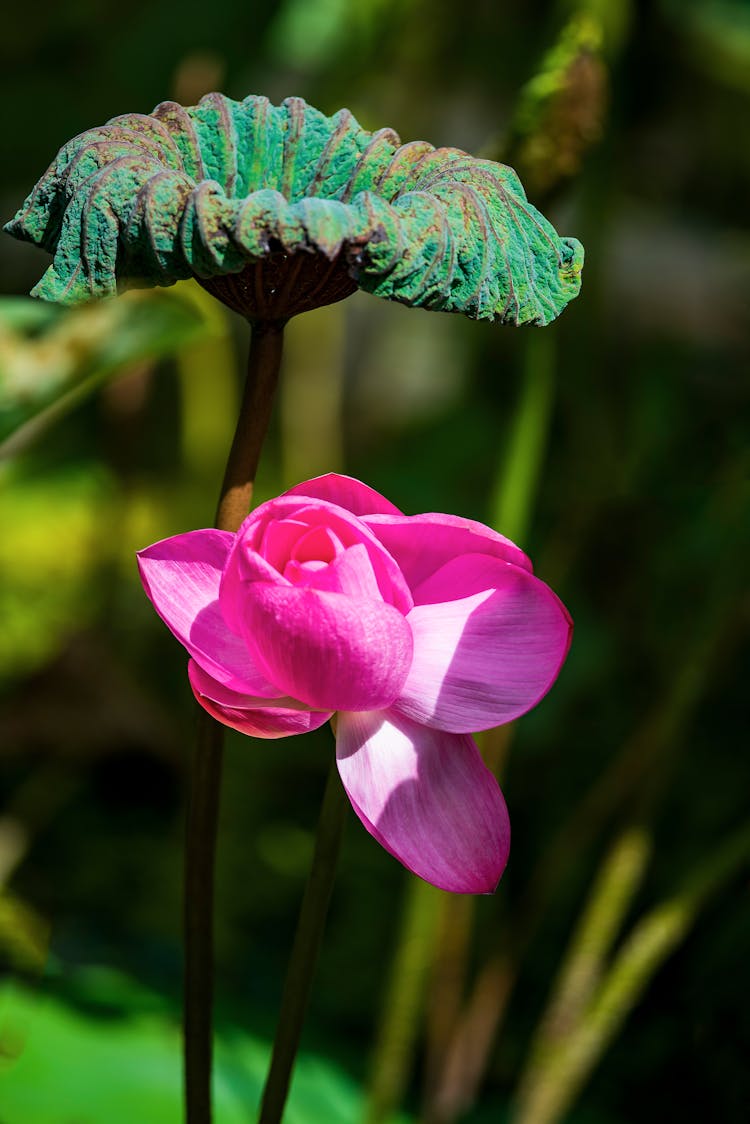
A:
305	949
404	995
467	1053
445	996
518	479
549	1091
264	362
619	877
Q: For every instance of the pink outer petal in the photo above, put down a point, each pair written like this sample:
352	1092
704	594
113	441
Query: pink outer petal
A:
205	684
329	650
421	544
259	720
427	797
487	657
347	492
181	577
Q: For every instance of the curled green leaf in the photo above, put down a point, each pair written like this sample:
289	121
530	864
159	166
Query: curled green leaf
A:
276	209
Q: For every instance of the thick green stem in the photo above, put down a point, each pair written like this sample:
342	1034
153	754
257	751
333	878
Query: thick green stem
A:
205	773
305	950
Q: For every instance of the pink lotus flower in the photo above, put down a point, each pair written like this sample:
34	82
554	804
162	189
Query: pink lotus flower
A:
416	629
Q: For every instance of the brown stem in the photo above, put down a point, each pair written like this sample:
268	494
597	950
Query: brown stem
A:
200	850
307	940
205	772
263	365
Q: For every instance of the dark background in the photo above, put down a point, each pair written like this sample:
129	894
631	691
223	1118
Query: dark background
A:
639	521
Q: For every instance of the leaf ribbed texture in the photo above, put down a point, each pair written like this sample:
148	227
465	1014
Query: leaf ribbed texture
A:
208	190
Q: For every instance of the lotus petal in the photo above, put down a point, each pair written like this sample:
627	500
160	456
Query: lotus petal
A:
427	797
489	642
257	717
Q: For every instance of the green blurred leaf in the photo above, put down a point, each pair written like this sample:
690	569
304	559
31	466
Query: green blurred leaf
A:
51	357
50	548
308	33
718	35
120	1063
23	933
561	110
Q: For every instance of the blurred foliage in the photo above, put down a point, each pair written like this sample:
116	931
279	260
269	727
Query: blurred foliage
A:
629	427
47	591
308	33
50	360
23	935
718	34
111	1051
590	1004
561	109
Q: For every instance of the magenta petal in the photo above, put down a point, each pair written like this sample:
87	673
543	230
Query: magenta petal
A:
181	577
253	716
297	517
317	545
205	684
421	544
245	565
427	797
329	650
278	541
351	573
488	656
347	492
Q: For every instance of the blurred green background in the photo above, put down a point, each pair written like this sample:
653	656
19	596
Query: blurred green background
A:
606	981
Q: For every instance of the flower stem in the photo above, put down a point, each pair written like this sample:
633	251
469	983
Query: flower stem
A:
304	955
264	362
263	366
200	849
